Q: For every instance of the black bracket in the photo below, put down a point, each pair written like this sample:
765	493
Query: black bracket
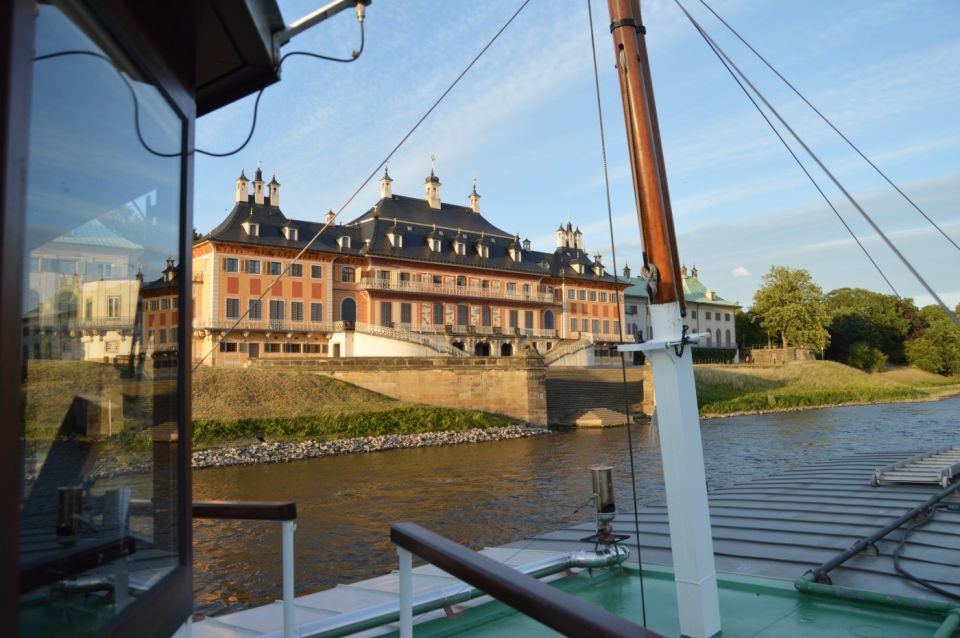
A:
628	22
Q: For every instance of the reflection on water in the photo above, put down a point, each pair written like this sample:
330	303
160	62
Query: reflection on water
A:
493	493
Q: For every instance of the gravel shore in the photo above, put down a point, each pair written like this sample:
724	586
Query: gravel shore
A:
286	451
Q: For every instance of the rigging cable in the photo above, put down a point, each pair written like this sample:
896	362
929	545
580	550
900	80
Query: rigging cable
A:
369	177
355	55
806	172
831	125
616	278
850	198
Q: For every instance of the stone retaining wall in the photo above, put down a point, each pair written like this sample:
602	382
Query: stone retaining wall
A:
512	386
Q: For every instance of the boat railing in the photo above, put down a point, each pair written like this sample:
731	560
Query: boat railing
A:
283	511
554	608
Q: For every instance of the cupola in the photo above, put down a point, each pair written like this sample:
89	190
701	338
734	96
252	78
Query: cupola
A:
258	187
561	237
475	198
274	193
431	187
242	194
330	218
597	266
386	185
526	244
626	272
578	239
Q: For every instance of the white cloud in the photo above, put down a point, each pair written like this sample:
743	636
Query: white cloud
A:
740	271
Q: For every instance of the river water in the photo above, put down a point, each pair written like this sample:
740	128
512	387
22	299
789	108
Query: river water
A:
494	493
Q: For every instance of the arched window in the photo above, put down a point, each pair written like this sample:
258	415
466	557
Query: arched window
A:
548	320
717	343
728	338
348	309
506	350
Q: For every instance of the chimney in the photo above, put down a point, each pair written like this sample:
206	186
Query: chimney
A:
331	218
578	239
561	238
431	187
386	185
475	198
242	195
258	187
274	193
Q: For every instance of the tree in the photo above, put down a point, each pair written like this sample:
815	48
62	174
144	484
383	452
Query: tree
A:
938	349
196	236
862	316
749	333
790	305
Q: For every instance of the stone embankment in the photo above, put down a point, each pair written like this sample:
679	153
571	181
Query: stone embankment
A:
286	451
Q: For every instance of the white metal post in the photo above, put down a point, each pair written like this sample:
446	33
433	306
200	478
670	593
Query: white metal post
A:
289	626
406	593
684	477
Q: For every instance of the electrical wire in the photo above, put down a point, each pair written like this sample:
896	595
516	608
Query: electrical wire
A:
836	182
616	278
805	171
256	103
369	177
926	517
831	125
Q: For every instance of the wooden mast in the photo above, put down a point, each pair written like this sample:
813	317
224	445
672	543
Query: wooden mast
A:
669	353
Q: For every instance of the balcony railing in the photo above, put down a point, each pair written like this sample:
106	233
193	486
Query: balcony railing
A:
446	290
262	325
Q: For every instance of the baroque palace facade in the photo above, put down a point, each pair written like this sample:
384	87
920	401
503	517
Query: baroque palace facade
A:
411	276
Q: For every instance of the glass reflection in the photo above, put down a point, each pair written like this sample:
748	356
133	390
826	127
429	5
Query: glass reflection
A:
100	333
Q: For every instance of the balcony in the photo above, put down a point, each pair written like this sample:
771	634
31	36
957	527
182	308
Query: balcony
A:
445	290
262	325
473	331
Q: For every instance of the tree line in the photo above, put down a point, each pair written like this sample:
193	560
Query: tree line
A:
859	327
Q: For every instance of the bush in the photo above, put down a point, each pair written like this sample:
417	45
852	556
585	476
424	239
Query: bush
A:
924	354
864	356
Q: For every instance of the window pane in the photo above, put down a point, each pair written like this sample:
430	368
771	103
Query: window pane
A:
101	388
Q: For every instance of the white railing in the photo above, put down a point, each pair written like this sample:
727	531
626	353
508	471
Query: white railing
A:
567	347
372	283
262	325
406	335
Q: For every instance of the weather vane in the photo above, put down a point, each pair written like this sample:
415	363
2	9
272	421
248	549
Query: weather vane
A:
433	162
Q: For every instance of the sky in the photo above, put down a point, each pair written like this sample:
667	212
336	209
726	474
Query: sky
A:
523	123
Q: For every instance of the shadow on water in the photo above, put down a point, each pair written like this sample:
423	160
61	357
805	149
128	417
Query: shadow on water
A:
494	493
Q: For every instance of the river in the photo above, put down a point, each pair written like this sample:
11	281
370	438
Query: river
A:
493	493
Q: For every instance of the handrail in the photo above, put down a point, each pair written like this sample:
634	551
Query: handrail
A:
283	511
41	573
538	296
569	347
554	608
246	510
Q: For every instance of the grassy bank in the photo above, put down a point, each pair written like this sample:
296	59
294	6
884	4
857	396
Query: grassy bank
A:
724	390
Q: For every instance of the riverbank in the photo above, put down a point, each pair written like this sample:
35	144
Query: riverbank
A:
740	390
288	451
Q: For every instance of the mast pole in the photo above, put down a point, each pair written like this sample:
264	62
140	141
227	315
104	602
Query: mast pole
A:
670	357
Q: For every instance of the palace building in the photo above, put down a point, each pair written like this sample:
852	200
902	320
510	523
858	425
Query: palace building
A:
412	276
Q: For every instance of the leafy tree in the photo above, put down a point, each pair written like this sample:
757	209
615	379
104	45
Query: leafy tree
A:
749	333
196	236
938	349
858	315
790	305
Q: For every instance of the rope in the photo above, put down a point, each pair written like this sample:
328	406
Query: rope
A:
807	173
369	177
616	277
836	182
831	125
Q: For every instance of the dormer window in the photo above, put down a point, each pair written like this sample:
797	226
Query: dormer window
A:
434	244
598	270
395	239
515	254
483	250
291	233
252	229
578	268
343	241
460	248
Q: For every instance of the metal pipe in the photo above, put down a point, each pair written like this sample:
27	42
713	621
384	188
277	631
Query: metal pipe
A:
289	623
406	593
378	615
949	624
316	17
820	573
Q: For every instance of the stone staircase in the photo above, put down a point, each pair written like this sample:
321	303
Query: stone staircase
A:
572	393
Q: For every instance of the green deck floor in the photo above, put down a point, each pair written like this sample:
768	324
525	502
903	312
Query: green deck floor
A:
748	606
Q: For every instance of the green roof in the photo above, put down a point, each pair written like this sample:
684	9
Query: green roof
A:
693	292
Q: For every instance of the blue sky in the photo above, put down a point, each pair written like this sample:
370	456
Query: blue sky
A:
523	122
